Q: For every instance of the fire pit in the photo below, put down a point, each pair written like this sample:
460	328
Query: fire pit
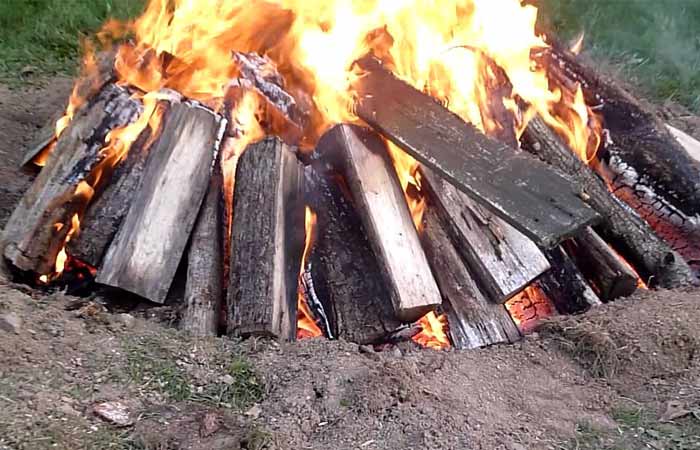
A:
376	173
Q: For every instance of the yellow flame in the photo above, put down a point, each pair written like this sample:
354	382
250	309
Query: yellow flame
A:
433	332
306	326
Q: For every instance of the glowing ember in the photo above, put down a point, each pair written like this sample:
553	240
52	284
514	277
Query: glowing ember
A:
306	325
433	332
529	308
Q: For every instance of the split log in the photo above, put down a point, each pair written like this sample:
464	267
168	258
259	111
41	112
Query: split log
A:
144	255
565	286
37	229
365	164
38	150
346	273
267	242
516	187
620	224
610	275
473	320
500	257
205	264
689	143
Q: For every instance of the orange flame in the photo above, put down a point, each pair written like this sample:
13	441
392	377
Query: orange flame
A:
433	332
306	325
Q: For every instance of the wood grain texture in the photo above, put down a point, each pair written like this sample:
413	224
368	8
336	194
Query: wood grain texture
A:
620	223
266	243
473	320
32	238
346	273
516	187
382	206
565	286
150	243
502	259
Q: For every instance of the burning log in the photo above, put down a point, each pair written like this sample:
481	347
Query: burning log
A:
144	255
611	275
267	242
501	258
205	264
346	273
39	225
565	286
473	320
521	190
620	224
381	204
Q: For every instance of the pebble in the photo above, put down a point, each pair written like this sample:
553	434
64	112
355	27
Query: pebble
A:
116	413
10	323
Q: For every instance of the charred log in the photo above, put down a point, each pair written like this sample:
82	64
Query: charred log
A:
267	242
620	224
521	190
381	204
565	285
143	256
37	229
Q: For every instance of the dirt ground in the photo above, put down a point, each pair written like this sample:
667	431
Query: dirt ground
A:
624	376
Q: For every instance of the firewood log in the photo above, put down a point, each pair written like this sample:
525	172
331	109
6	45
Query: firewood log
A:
364	162
527	194
565	285
144	255
36	231
267	242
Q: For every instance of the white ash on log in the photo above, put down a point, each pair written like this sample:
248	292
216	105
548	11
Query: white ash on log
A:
473	320
516	187
345	271
144	255
204	289
620	224
364	162
503	260
610	275
565	285
37	229
267	242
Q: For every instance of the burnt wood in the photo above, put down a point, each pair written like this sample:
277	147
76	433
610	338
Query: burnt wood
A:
565	286
473	320
364	162
204	289
267	242
516	187
620	224
502	259
346	273
611	277
36	231
144	255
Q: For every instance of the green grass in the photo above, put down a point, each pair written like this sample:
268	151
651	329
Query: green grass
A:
44	35
654	43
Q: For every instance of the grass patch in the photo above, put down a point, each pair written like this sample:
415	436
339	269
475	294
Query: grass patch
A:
239	390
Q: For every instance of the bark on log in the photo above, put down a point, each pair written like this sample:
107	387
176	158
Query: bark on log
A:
205	264
620	224
565	286
376	191
501	258
611	277
516	187
267	242
473	320
345	270
145	253
32	236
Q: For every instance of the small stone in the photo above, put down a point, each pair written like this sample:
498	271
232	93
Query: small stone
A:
674	410
254	412
126	319
227	379
10	323
366	349
210	424
116	413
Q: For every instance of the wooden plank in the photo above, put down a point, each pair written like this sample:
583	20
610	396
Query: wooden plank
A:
36	231
473	320
502	259
645	249
376	191
345	270
267	242
204	290
145	253
521	190
611	277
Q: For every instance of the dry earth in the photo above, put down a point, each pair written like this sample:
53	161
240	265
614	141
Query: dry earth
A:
625	376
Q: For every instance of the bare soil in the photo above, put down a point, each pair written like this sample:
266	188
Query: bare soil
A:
624	376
